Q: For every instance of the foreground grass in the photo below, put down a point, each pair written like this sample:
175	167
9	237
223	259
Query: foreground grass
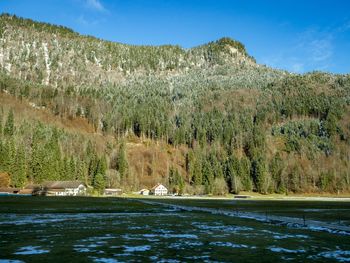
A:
83	229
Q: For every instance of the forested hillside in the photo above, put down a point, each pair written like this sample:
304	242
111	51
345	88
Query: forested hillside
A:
203	120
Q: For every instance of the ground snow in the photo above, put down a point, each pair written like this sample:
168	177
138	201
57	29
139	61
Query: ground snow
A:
339	255
31	250
285	250
228	244
11	261
105	260
136	248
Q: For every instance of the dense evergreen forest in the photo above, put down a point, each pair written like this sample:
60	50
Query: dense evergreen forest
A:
202	120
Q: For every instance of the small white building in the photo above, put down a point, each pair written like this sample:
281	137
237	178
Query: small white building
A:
113	191
159	189
144	192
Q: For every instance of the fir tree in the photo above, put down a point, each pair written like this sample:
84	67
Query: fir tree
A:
1	114
99	183
122	162
19	174
9	125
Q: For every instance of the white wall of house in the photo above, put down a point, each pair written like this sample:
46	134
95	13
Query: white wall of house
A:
160	190
81	189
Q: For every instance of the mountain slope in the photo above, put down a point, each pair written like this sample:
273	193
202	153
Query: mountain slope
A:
204	120
57	56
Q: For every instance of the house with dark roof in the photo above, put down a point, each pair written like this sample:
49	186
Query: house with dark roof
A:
64	188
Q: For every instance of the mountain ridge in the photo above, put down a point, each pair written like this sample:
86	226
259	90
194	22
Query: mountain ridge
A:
47	47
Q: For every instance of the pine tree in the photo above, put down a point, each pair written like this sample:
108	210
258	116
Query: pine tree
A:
2	155
176	181
81	171
9	125
196	169
208	176
122	162
99	182
55	155
19	174
10	156
92	161
101	166
246	180
72	169
259	174
233	174
65	169
1	114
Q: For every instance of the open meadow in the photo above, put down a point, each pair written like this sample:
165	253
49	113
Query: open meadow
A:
87	229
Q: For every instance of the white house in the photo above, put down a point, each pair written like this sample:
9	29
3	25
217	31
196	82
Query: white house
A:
64	188
159	189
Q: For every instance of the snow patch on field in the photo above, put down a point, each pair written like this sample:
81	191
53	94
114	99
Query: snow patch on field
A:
231	229
229	244
137	248
98	238
24	220
338	255
31	250
316	228
278	236
132	237
105	260
184	244
82	249
188	236
16	219
91	243
11	261
285	250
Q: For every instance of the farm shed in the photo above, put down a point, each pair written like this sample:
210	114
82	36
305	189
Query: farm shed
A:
113	191
144	192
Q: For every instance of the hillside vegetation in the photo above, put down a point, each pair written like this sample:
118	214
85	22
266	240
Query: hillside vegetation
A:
203	120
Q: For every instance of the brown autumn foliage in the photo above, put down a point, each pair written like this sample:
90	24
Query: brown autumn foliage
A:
4	179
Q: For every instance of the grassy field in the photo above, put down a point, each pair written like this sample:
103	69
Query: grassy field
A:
50	229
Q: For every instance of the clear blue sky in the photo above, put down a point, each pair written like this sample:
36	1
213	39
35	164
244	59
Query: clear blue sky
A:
297	35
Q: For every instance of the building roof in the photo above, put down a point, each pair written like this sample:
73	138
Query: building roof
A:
157	185
62	184
32	186
113	190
